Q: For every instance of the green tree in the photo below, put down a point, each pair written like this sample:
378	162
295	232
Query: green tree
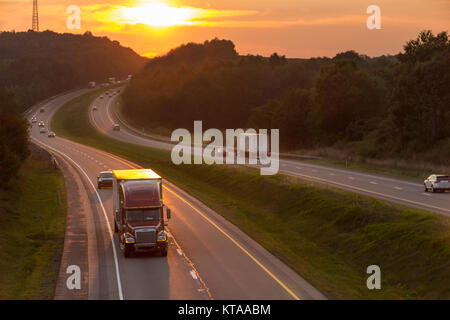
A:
346	94
420	106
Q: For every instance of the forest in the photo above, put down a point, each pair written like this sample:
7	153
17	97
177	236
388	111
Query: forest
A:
377	107
37	65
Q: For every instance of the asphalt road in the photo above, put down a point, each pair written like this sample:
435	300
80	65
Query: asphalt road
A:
208	258
379	186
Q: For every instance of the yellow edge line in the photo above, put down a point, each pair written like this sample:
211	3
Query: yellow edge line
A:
238	245
368	191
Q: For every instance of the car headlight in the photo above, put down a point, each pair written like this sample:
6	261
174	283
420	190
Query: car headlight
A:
162	236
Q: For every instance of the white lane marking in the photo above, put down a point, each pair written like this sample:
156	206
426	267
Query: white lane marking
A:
193	275
298	167
346	171
373	182
427	194
108	113
351	178
179	252
332	174
116	262
398	188
314	170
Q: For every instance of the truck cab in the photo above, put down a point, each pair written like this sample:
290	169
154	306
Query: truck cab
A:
139	211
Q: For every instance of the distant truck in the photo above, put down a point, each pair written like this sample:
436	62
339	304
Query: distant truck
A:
139	211
91	84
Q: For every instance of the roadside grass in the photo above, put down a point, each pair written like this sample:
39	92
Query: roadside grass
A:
32	225
329	236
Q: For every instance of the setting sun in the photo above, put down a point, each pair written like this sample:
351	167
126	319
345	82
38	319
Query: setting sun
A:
158	15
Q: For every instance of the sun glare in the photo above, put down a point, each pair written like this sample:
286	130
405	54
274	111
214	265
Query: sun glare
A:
158	15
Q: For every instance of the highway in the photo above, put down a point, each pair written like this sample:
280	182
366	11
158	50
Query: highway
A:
209	258
375	185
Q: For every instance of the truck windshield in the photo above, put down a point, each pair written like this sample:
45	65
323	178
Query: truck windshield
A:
143	215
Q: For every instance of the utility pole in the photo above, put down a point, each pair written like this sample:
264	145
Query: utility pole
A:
35	23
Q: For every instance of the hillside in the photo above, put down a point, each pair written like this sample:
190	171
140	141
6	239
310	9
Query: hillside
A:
37	65
382	107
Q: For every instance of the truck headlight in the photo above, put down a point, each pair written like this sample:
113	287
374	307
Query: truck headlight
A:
129	238
162	236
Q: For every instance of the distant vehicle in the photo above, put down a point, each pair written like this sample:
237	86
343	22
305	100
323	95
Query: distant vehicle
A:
101	97
116	127
436	183
42	130
105	179
41	124
91	84
42	110
51	134
129	77
118	91
138	211
94	108
112	80
33	120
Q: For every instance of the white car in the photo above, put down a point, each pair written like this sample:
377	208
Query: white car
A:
437	182
94	108
42	130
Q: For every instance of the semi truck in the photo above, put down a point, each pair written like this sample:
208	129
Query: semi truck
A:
139	211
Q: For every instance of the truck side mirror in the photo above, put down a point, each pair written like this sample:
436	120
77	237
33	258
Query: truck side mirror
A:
168	213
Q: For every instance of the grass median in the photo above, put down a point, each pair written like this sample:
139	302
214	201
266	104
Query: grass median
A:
32	225
329	236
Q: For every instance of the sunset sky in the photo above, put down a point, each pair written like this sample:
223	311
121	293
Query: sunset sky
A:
295	28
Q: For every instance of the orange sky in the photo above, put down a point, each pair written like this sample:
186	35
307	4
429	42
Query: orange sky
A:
296	28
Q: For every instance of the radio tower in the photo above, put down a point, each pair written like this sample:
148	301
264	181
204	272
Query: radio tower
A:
35	23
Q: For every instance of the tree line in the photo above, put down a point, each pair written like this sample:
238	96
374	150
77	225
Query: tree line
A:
388	106
37	65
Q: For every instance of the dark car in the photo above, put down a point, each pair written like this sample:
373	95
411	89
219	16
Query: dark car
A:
105	179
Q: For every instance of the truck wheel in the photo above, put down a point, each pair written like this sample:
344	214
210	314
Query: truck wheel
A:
425	186
164	251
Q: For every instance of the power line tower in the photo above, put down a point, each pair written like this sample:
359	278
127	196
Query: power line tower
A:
35	23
